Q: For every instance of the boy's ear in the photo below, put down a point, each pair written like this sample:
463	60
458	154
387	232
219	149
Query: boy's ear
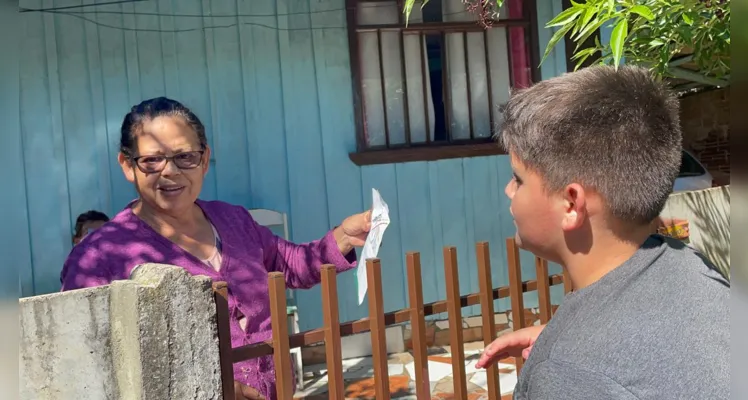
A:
575	207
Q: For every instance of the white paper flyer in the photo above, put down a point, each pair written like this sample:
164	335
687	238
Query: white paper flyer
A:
380	219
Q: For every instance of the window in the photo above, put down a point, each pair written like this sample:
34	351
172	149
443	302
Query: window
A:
431	90
689	166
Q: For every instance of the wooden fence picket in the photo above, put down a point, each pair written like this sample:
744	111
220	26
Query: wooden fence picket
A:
333	349
377	327
418	327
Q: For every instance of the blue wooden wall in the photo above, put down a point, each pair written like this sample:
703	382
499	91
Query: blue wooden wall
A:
275	96
14	237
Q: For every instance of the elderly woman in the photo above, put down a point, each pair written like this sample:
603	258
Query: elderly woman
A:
164	154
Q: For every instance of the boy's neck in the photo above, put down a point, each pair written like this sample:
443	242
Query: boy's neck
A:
607	253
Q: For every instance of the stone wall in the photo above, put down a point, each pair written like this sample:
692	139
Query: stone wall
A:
705	121
152	337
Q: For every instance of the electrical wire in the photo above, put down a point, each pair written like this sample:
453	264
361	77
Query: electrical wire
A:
156	14
257	24
81	15
24	10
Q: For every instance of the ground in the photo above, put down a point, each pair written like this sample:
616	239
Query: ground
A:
359	381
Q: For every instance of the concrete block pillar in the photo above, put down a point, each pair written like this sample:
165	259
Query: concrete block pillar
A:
152	337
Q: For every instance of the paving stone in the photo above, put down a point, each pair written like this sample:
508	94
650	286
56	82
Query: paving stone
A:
364	388
444	324
474	321
474	346
359	381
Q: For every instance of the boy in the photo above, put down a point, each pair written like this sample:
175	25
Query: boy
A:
88	222
595	154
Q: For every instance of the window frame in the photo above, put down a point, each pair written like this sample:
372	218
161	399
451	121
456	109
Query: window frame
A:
365	155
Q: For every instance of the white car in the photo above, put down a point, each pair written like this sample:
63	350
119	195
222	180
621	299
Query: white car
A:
692	175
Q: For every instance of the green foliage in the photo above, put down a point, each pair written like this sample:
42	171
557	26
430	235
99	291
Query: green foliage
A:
651	33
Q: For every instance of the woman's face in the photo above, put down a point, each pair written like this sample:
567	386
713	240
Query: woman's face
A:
169	165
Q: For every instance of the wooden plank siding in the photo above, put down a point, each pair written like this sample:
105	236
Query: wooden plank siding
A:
272	84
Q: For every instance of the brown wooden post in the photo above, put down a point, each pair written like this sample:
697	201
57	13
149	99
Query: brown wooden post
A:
281	349
221	296
515	291
454	310
544	289
418	326
487	313
377	327
333	347
567	282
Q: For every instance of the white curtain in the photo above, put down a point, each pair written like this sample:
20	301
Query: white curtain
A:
387	12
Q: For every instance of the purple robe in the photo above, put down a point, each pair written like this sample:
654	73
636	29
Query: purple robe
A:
249	252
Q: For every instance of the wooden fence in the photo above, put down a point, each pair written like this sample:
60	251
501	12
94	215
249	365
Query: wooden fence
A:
378	320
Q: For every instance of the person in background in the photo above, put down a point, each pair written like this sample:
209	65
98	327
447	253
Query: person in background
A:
594	155
164	153
88	222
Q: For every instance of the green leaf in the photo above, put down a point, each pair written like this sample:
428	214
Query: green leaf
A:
499	4
583	22
589	31
687	19
584	53
617	38
685	33
407	8
566	16
664	57
554	39
611	4
642	10
577	25
582	60
656	42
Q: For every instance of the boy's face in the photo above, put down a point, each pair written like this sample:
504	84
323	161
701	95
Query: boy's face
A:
543	220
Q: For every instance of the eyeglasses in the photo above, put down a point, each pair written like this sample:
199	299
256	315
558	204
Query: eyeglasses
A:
154	164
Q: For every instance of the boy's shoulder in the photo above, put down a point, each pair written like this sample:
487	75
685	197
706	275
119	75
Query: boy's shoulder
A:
661	308
666	280
663	285
690	264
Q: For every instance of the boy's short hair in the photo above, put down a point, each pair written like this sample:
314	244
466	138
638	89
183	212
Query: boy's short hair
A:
616	132
88	216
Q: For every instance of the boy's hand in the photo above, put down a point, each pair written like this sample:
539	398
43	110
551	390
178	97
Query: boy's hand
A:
512	344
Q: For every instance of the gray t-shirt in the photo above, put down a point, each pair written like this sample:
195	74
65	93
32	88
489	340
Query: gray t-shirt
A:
656	327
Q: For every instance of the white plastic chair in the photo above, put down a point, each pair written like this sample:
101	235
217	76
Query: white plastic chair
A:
276	221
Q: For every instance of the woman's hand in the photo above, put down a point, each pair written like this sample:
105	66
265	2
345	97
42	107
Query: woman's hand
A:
512	344
352	232
244	392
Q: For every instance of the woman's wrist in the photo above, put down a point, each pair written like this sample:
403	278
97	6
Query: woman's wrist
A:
342	240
